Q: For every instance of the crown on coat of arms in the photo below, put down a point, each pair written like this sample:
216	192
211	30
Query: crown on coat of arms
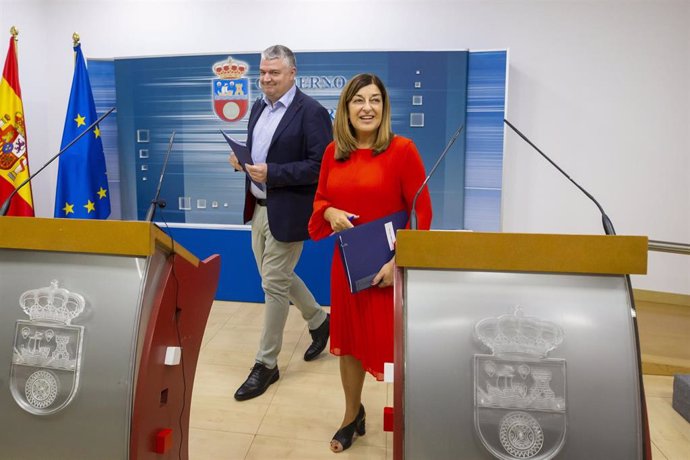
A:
230	69
519	334
52	303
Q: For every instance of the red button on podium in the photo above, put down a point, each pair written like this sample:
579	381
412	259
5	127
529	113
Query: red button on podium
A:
388	413
164	440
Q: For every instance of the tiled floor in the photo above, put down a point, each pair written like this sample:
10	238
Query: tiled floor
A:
297	416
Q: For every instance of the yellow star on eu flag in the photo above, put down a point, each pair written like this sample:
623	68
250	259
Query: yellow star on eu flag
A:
80	120
97	131
69	209
102	193
90	206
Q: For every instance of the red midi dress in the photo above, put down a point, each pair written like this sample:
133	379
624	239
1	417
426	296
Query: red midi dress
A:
370	186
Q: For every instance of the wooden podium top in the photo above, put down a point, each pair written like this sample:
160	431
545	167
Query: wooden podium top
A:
112	237
522	252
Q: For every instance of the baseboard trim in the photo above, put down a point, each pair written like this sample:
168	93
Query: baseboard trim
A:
653	307
661	365
643	295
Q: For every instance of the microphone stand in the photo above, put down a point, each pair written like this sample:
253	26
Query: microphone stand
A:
6	205
157	202
413	214
608	226
608	230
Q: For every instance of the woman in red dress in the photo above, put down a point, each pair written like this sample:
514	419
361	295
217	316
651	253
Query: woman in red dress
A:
367	173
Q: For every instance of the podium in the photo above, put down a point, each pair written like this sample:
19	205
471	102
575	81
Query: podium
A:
515	346
101	324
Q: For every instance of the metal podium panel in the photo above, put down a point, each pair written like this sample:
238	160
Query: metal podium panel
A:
41	355
513	365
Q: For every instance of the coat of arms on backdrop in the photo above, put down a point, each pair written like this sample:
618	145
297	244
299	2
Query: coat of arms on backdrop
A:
230	90
46	358
519	394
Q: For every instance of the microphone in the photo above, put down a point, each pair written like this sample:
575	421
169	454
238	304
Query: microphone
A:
413	214
608	230
157	202
606	222
6	204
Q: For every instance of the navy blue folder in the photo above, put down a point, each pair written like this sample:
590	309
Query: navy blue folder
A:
366	248
244	156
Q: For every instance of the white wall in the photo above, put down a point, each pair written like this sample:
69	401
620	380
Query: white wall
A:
601	86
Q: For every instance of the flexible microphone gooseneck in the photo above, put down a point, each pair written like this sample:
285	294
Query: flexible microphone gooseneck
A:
157	202
6	204
413	213
606	222
608	229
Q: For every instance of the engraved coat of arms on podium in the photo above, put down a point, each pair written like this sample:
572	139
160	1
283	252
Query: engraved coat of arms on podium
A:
46	358
520	394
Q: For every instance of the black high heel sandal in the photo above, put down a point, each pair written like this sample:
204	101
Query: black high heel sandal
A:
346	434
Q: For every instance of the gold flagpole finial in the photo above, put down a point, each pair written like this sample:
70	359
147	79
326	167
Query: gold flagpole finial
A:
75	39
14	32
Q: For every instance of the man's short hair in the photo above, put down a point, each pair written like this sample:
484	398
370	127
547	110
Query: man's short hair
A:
280	52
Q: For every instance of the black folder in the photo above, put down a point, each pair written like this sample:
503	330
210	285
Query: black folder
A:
366	248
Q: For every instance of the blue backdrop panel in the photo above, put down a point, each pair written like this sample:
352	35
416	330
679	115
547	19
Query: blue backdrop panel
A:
239	277
158	95
486	95
432	93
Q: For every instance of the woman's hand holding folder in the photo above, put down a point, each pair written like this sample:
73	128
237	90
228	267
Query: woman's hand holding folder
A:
384	277
340	220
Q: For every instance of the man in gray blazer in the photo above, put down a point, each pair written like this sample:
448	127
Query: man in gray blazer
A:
287	134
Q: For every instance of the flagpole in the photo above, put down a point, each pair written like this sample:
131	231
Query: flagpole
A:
15	34
75	39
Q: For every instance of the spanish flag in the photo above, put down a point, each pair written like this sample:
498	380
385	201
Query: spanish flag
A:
14	160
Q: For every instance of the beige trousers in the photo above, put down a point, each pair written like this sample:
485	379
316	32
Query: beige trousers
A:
276	262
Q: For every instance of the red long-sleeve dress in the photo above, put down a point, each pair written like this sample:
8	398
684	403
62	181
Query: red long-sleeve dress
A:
370	187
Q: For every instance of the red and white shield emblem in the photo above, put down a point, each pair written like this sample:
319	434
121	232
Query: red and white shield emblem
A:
230	91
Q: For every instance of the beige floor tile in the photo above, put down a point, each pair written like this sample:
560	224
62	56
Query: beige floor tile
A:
218	380
266	447
217	445
669	431
237	346
658	386
656	453
252	315
226	414
389	446
215	408
219	316
300	420
316	401
249	315
326	363
314	389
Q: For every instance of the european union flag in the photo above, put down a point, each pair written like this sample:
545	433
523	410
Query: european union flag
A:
82	185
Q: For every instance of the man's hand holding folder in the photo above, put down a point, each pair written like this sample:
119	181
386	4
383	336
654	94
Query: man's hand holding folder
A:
243	158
